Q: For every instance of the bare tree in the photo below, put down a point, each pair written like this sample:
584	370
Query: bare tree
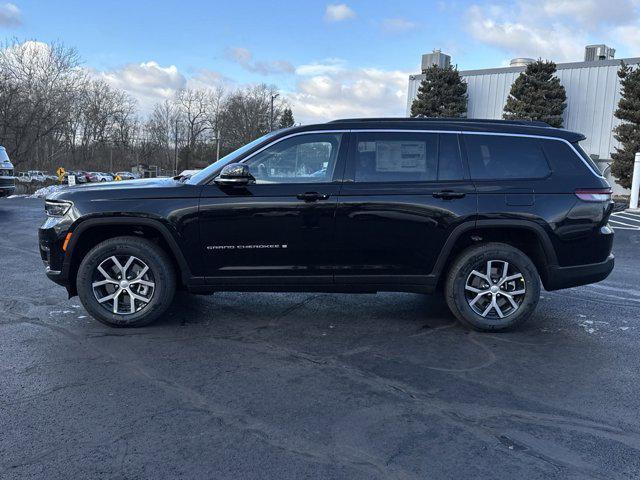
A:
162	135
194	110
39	84
53	113
246	115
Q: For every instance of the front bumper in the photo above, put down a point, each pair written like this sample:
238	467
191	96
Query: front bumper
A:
50	240
566	277
6	190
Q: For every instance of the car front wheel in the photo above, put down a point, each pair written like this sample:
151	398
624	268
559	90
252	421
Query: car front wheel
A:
492	287
126	282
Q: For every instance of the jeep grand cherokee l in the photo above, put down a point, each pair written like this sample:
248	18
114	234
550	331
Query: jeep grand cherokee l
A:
484	211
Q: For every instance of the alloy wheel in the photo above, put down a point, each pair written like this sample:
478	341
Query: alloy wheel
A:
123	284
497	292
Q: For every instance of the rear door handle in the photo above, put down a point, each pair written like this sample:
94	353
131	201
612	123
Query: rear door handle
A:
312	196
448	194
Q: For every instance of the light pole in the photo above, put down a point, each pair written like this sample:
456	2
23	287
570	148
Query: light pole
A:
175	152
273	97
218	145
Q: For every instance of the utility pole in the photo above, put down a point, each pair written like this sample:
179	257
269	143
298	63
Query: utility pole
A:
175	153
218	145
110	157
273	97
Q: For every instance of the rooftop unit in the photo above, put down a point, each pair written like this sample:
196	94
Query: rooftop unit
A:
594	53
438	58
521	62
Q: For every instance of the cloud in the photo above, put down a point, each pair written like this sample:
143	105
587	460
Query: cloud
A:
206	78
556	42
345	92
628	35
10	15
244	58
397	25
591	12
554	29
328	66
148	82
337	12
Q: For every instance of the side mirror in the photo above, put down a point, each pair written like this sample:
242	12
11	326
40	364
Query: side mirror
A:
235	174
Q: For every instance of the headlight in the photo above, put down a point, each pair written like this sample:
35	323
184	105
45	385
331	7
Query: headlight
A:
56	208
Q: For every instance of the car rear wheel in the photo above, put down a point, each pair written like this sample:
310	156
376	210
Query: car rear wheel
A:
126	282
492	287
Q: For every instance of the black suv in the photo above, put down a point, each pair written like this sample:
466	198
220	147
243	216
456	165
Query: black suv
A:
484	210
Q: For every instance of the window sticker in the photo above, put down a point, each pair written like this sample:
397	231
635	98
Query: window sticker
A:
401	157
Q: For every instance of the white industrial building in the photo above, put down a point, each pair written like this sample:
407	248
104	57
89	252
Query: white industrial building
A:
593	92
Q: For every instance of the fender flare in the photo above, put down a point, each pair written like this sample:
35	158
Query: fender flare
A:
185	271
465	227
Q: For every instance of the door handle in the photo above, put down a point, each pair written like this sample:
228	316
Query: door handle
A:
448	194
312	196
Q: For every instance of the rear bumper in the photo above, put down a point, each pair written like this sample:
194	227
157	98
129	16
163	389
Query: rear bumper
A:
566	277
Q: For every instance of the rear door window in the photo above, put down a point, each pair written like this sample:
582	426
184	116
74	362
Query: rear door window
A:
407	157
396	157
495	157
449	158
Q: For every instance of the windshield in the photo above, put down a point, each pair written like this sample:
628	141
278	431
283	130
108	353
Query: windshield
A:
206	172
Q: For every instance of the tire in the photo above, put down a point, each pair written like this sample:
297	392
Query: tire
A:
481	315
146	302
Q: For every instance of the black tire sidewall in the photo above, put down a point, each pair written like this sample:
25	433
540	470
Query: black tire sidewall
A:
474	257
159	265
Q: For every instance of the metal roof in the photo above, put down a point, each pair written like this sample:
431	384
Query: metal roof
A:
559	66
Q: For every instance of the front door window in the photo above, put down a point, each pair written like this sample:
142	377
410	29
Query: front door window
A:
308	158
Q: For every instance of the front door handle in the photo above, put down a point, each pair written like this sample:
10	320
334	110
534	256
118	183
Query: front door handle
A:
448	194
312	196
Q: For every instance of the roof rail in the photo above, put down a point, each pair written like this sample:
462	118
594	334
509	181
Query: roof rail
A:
530	123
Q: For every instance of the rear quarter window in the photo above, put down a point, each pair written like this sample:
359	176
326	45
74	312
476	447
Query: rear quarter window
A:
564	160
587	158
495	157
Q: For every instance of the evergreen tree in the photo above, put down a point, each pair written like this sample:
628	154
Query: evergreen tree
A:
537	94
627	133
286	120
442	93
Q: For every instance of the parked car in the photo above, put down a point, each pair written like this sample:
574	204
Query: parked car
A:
7	178
37	175
82	176
125	175
23	177
106	177
486	212
100	177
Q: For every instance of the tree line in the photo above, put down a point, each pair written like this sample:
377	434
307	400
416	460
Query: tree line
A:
54	113
537	94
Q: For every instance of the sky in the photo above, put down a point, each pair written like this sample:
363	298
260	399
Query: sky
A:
329	59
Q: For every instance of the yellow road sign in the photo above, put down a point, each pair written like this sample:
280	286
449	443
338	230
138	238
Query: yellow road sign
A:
60	171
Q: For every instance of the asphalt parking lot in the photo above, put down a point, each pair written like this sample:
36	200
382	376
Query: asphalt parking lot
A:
313	385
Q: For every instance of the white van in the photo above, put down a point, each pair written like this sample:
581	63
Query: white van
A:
7	180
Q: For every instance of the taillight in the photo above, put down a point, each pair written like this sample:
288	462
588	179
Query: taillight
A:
594	194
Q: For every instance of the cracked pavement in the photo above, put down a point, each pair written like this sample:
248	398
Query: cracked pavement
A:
246	385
